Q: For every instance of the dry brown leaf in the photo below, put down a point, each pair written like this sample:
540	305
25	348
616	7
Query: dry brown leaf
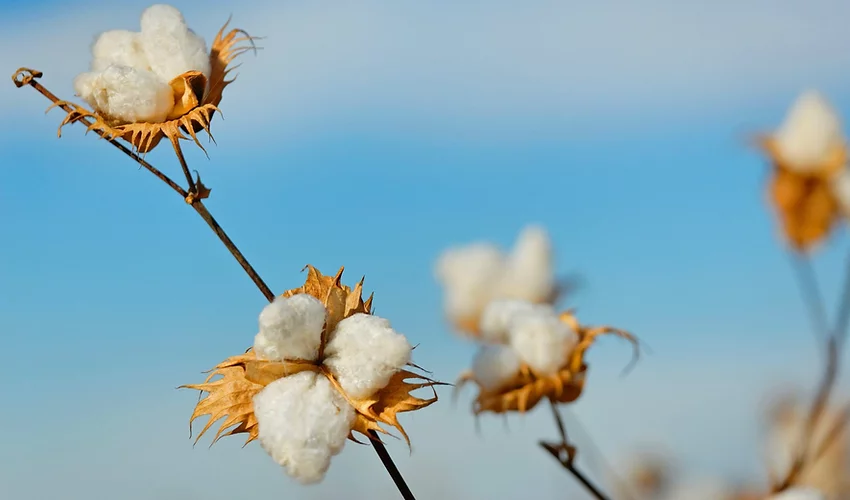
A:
191	114
230	397
806	205
527	389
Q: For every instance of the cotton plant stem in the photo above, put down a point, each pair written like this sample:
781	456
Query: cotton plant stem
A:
26	76
568	462
834	343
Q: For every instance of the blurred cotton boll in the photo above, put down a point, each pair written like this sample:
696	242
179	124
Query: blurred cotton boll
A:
468	275
541	339
291	328
529	273
810	134
496	318
126	94
494	365
170	46
303	422
364	352
799	494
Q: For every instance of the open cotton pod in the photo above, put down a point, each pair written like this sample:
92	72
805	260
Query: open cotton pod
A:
542	357
808	153
322	368
160	82
474	275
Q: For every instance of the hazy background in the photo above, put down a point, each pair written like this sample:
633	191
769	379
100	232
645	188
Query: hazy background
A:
374	134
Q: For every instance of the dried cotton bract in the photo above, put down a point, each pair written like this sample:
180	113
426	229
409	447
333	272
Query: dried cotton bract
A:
158	83
322	367
542	357
474	275
809	187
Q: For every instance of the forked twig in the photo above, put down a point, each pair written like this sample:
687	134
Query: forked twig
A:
26	76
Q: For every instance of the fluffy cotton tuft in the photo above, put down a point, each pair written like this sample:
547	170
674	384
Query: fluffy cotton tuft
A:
529	273
303	422
810	133
494	365
469	275
291	328
121	48
496	318
364	352
799	494
541	339
170	46
126	94
130	76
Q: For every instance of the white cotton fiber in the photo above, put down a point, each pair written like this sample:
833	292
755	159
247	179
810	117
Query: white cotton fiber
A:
541	339
169	45
529	272
303	422
364	352
126	94
811	131
291	328
497	316
119	47
799	494
494	365
469	275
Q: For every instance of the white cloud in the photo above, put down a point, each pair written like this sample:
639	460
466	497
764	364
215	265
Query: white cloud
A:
462	65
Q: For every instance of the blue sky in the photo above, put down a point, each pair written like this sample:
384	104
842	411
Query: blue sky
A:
374	135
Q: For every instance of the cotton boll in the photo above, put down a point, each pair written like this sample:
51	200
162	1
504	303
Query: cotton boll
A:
303	422
541	339
496	318
291	328
494	365
119	47
169	45
529	273
364	352
811	131
126	94
799	494
468	275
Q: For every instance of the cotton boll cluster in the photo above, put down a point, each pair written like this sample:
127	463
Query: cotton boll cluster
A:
291	328
533	334
304	422
475	275
810	133
130	72
364	352
304	419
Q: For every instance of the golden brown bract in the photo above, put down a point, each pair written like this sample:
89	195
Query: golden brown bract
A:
196	101
526	388
805	203
230	397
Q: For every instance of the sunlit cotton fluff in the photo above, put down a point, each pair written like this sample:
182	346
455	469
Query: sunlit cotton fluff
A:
799	494
494	365
130	72
291	328
496	318
364	352
474	275
304	419
304	422
810	134
541	339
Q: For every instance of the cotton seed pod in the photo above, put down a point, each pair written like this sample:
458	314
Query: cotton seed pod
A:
807	155
196	99
526	388
241	377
